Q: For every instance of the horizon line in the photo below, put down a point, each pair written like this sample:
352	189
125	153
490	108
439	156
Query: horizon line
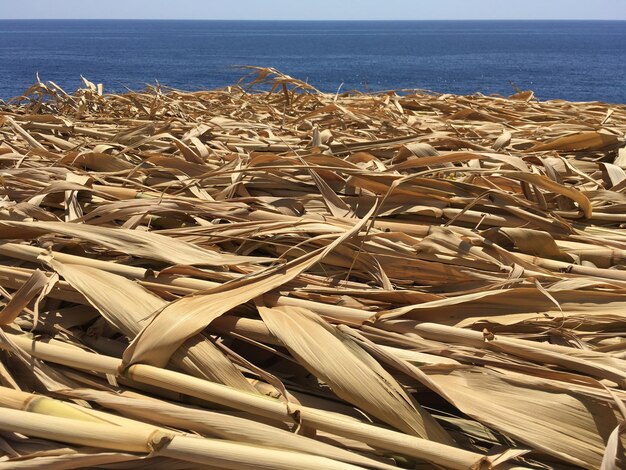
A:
314	19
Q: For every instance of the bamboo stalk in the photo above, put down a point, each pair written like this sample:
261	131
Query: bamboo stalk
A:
24	401
586	363
215	452
78	432
382	438
203	421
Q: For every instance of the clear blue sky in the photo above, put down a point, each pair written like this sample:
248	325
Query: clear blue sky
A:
315	9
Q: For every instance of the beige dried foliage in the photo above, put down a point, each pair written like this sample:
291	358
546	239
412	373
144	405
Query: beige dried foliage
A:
268	274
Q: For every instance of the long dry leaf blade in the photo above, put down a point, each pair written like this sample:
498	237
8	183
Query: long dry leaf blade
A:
132	307
134	242
190	315
349	371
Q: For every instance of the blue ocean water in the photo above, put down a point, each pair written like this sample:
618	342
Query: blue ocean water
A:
574	60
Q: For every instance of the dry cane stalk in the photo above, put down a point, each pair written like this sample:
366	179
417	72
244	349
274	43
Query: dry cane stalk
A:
202	422
375	436
215	452
539	352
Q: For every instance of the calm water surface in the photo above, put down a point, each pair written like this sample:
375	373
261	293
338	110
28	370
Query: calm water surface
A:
572	60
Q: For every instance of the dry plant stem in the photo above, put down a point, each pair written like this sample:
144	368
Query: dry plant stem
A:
331	422
220	425
194	449
543	353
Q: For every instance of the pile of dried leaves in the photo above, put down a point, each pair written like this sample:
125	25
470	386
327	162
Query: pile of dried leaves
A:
267	276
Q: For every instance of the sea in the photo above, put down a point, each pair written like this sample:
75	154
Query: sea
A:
571	60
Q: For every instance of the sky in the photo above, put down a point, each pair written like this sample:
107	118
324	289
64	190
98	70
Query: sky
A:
313	10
